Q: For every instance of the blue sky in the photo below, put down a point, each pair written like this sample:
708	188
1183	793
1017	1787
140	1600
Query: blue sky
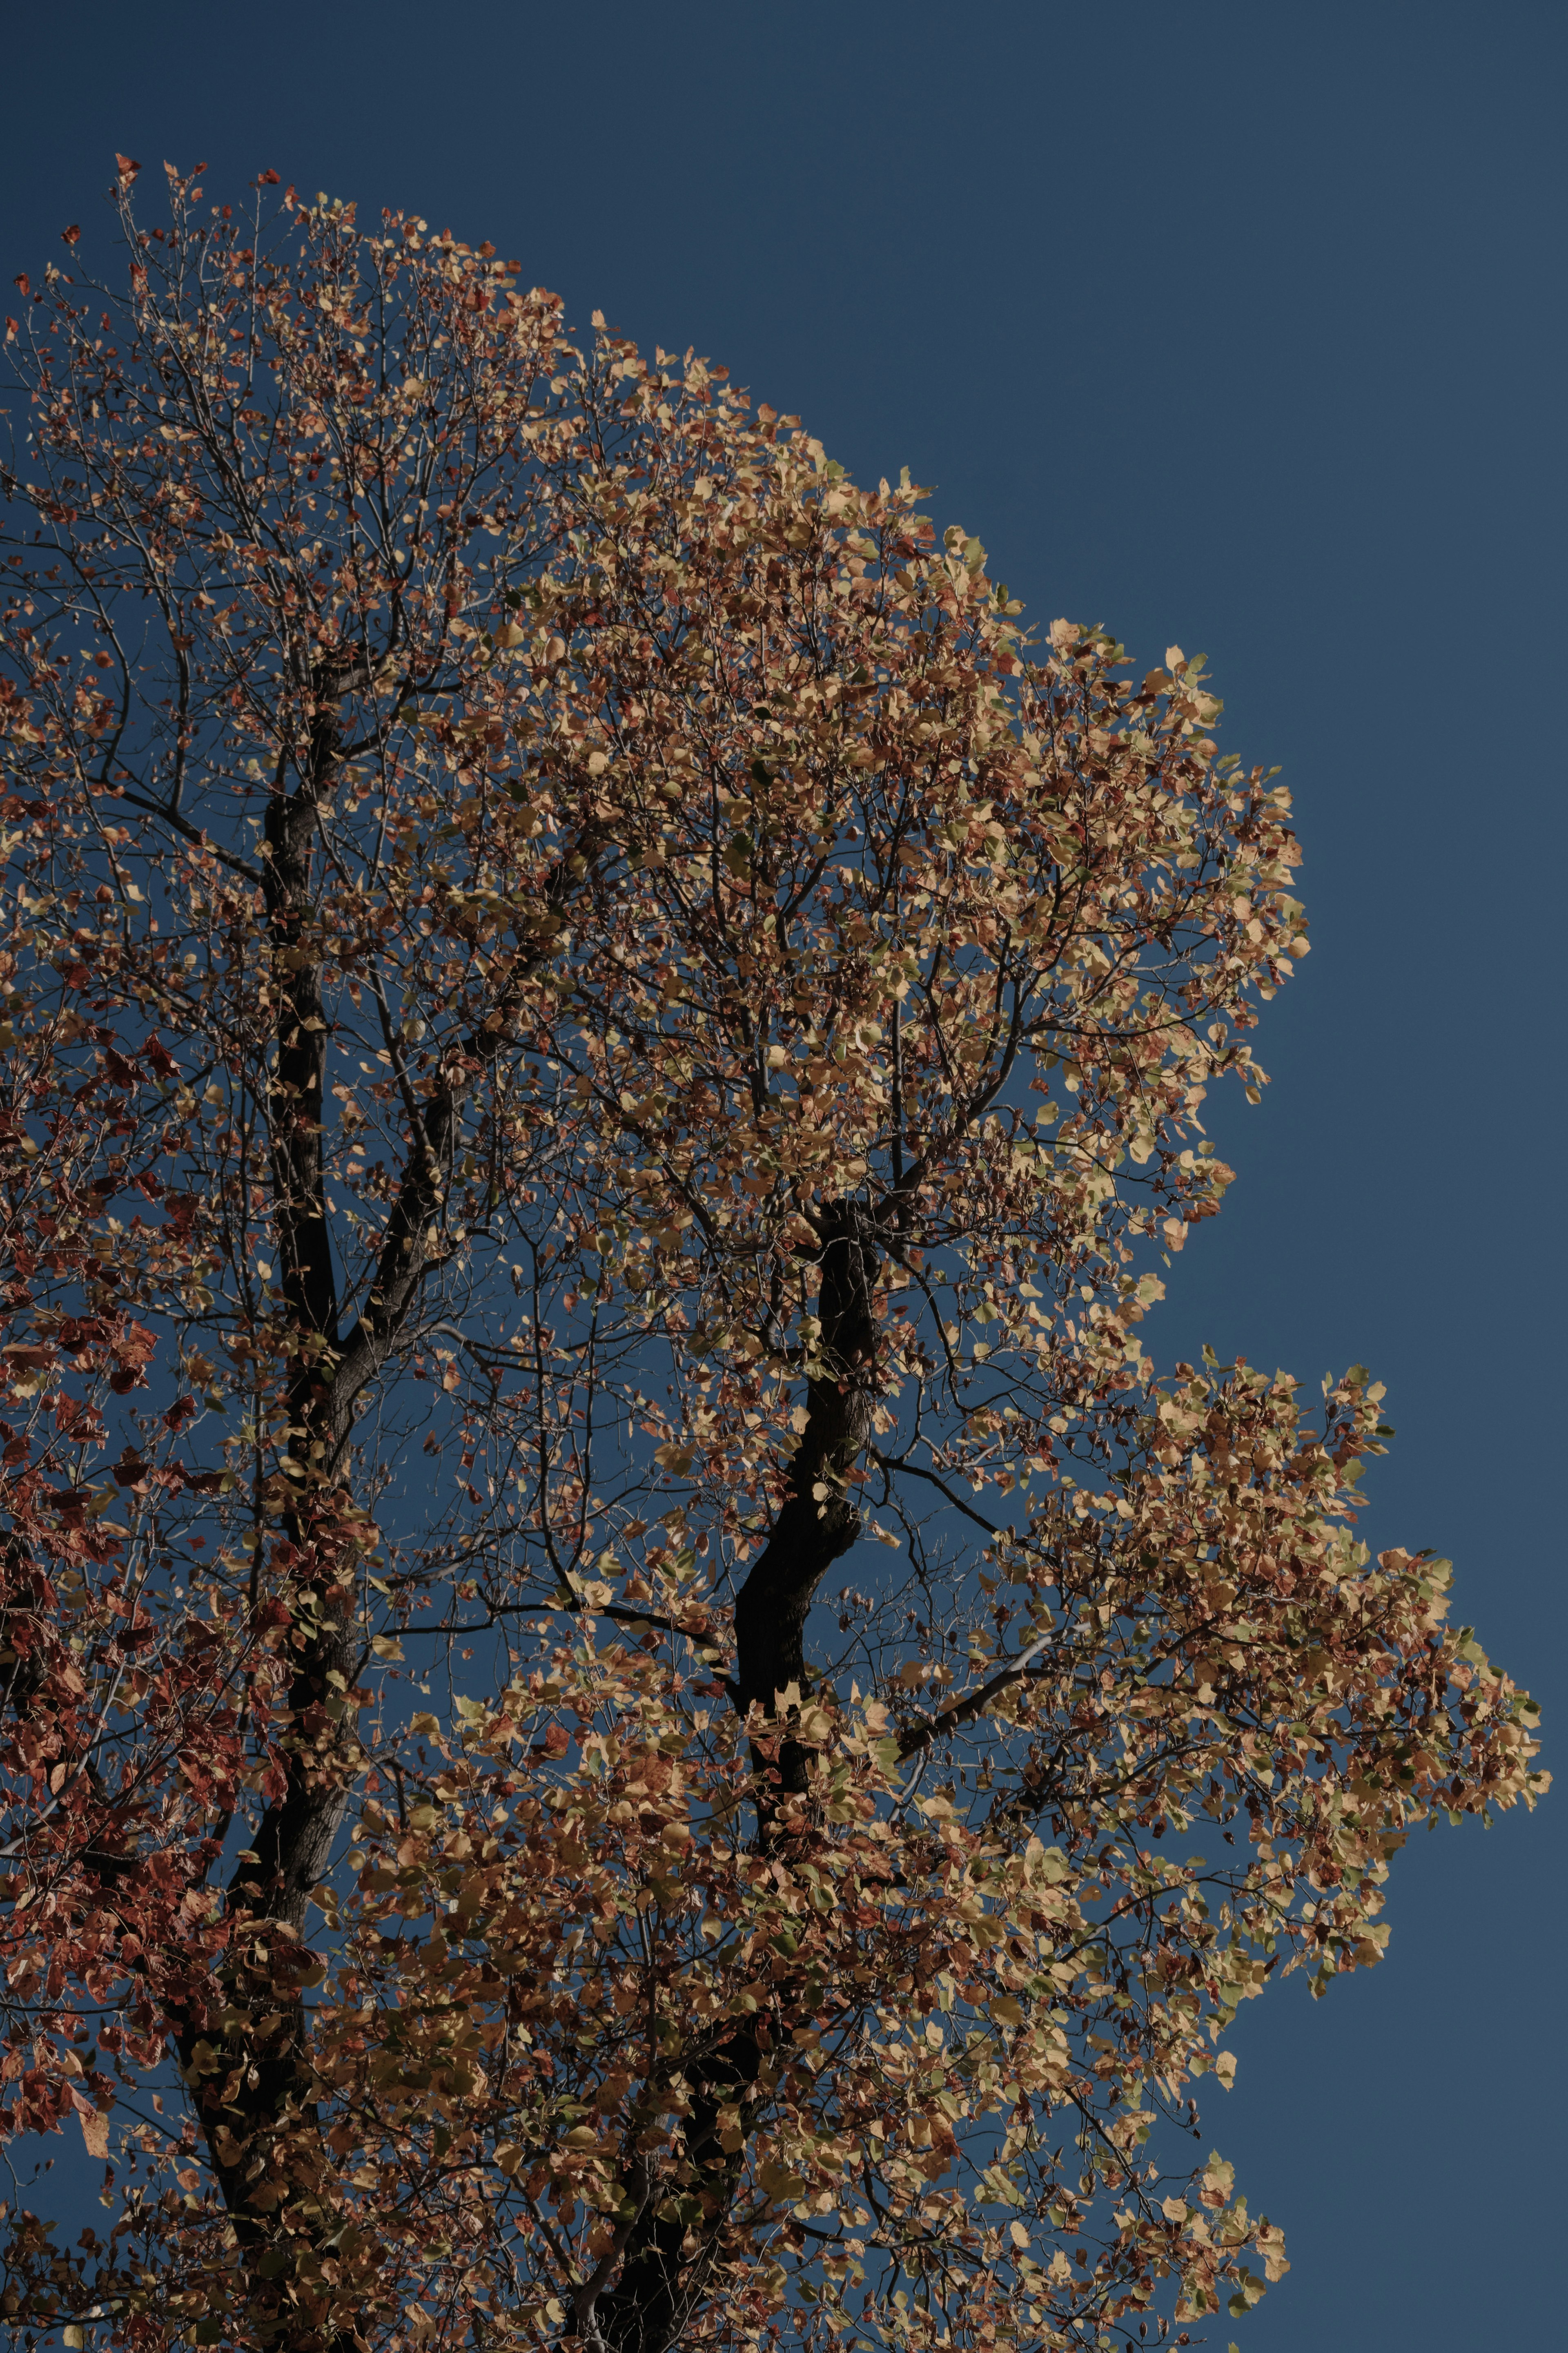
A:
1237	327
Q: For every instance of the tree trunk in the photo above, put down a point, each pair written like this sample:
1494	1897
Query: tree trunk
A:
817	1521
667	2263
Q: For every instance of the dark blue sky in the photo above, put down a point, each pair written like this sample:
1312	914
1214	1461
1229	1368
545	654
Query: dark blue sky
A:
1235	326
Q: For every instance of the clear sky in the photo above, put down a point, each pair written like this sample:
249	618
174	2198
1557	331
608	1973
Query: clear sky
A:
1236	326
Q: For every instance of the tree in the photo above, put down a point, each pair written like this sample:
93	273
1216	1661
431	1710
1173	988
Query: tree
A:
594	1031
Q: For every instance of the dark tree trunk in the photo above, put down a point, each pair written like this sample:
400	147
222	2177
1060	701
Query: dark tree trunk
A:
817	1521
667	2268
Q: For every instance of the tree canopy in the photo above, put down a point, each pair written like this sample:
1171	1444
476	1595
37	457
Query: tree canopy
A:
614	1658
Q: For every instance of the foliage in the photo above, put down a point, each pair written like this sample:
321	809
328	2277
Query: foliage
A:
590	1026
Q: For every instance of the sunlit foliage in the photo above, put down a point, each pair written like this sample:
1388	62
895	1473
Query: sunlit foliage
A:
629	1710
